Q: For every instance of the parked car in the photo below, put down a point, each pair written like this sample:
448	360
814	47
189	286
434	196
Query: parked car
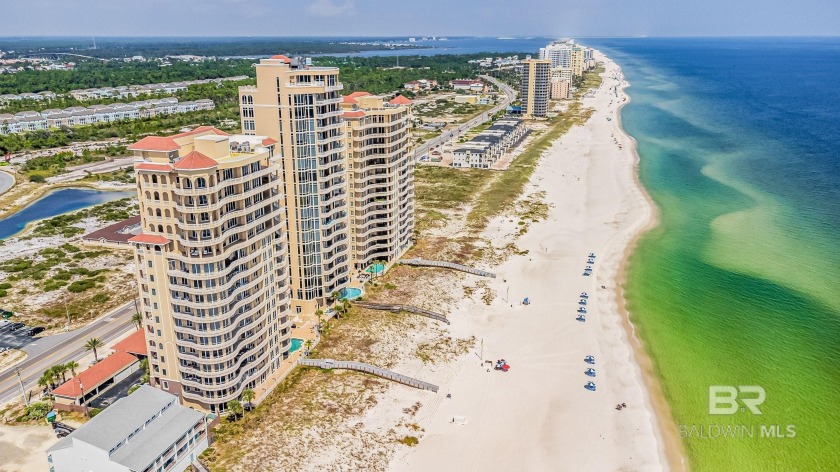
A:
6	314
35	330
4	325
17	326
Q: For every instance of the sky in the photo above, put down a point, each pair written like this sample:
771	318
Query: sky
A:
553	18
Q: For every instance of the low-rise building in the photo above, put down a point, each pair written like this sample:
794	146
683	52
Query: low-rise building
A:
487	147
470	85
80	116
420	85
147	431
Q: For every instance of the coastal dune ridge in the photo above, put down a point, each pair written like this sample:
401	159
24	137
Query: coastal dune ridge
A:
539	416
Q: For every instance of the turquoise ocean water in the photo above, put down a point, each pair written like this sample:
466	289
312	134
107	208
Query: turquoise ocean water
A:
739	285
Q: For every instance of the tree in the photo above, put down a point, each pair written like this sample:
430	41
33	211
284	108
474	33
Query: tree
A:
248	396
45	382
319	313
72	366
92	345
137	319
335	295
61	369
235	408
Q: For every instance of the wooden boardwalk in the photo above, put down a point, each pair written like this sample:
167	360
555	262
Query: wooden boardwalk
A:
447	265
396	308
370	369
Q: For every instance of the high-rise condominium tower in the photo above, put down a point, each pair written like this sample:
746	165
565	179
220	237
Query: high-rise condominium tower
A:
212	263
300	106
535	88
381	183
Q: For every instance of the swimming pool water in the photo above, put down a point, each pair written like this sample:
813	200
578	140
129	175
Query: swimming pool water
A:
351	293
296	344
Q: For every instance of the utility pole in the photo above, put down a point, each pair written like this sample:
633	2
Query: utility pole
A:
482	350
67	311
84	404
22	391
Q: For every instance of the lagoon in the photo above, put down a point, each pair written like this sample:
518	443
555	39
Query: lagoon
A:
56	203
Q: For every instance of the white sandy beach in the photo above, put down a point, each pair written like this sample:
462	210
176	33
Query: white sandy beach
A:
538	416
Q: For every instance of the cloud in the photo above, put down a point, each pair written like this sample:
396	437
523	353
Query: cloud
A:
330	8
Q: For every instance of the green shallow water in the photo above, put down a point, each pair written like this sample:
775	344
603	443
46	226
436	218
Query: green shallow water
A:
739	285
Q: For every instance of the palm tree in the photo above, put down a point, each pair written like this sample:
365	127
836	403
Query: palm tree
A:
235	408
61	369
248	396
92	345
137	319
335	295
72	366
46	382
319	313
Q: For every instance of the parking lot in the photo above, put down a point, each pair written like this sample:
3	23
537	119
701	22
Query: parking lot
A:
14	339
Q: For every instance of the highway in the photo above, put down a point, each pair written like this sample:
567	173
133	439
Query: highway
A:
510	95
48	351
6	182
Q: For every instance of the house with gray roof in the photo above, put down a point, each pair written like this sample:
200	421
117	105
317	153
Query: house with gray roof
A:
147	431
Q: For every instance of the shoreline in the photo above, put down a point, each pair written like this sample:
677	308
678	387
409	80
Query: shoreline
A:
42	193
673	449
589	179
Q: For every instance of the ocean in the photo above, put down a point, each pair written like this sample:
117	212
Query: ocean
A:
737	291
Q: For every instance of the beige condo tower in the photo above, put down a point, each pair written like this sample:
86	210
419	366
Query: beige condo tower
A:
534	87
381	184
347	172
300	106
212	263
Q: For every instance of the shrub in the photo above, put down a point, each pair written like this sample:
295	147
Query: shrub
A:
410	441
5	286
37	178
100	298
36	411
80	286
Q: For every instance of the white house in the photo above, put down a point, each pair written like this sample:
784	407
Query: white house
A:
147	431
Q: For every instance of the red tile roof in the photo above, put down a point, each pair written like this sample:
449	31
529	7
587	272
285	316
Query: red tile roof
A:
349	99
282	58
145	238
353	114
269	141
167	143
96	375
201	129
195	161
153	167
135	343
400	100
114	233
155	143
358	94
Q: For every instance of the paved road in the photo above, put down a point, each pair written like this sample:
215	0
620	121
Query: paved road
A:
510	95
48	351
6	182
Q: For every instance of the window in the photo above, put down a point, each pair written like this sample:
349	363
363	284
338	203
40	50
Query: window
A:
248	125
165	383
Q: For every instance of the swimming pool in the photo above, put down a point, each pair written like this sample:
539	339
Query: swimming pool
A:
351	293
375	269
296	344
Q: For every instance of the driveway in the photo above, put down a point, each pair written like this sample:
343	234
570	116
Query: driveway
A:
117	391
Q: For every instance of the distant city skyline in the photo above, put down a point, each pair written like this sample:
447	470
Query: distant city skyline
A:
430	17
